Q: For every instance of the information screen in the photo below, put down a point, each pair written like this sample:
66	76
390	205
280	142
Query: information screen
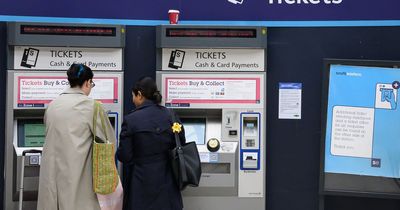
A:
211	32
195	130
68	30
362	147
31	133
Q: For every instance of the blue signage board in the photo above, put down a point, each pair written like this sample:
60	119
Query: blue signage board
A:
208	10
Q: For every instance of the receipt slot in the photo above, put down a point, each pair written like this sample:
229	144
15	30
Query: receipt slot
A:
250	160
39	55
214	78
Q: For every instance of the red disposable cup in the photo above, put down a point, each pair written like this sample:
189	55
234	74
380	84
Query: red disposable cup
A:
173	16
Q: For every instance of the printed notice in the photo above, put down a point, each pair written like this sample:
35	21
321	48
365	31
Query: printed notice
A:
212	90
104	89
42	90
352	131
290	100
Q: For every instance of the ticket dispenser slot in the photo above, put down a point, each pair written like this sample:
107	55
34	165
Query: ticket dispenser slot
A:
250	141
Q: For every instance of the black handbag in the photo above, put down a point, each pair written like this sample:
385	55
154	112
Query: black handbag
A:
185	161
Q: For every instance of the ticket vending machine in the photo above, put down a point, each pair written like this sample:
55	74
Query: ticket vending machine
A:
214	78
38	57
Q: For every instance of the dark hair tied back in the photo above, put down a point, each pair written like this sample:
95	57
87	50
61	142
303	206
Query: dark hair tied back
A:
148	87
157	97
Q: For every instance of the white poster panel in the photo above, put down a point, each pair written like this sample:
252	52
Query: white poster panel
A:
61	58
289	100
40	90
212	90
213	59
352	131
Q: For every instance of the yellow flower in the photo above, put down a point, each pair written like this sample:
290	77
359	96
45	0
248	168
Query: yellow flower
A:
176	127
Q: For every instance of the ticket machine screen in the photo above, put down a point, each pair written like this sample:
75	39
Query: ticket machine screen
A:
195	129
112	121
31	132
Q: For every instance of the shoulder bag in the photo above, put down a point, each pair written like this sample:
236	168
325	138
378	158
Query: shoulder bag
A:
105	174
185	160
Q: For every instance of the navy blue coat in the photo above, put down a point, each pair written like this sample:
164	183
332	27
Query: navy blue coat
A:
145	141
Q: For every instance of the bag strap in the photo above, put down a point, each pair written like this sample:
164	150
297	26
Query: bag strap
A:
177	139
95	113
103	124
99	110
182	164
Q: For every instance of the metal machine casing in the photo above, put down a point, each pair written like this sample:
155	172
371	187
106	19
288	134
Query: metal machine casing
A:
38	56
217	73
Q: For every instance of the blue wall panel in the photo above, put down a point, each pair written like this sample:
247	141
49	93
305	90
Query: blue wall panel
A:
245	10
3	71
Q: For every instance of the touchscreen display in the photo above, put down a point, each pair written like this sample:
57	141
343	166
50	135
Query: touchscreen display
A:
31	133
195	129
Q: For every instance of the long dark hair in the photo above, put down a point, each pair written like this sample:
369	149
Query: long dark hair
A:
78	74
148	87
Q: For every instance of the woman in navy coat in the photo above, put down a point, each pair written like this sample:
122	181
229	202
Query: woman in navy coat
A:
145	141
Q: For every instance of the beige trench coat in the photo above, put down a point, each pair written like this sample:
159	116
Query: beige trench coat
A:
65	181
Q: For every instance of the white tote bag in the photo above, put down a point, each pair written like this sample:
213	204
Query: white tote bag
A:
112	201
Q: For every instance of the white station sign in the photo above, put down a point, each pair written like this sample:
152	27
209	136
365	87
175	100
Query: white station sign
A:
213	59
61	58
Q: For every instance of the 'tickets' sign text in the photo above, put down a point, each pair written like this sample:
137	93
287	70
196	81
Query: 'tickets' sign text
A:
61	58
213	59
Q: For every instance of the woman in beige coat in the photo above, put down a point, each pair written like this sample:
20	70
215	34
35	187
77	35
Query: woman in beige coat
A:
65	181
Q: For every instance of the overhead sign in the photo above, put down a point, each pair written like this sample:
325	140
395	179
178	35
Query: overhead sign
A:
61	58
36	91
213	59
223	10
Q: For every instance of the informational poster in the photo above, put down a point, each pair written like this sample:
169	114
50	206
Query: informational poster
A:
212	90
36	91
290	100
61	58
213	59
363	121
